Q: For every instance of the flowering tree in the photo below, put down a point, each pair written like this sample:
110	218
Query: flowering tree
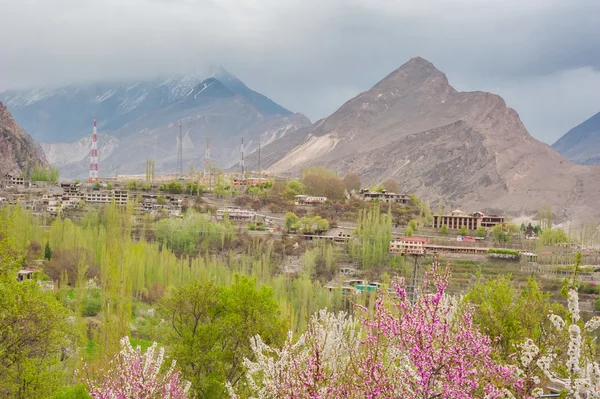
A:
430	348
137	375
426	350
315	366
579	374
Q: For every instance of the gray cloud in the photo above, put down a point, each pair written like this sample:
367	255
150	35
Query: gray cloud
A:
543	56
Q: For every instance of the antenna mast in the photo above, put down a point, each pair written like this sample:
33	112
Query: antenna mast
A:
242	156
207	159
93	176
180	152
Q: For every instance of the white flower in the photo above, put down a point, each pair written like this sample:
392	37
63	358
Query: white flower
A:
528	351
573	303
557	321
593	324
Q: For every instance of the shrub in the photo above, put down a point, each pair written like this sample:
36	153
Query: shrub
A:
252	227
91	306
597	305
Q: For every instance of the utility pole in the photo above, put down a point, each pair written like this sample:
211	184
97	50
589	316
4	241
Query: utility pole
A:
180	152
259	165
242	157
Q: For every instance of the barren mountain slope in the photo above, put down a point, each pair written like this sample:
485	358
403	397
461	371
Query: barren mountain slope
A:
582	143
18	152
468	149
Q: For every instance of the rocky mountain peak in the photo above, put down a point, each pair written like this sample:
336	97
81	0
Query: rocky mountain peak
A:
18	151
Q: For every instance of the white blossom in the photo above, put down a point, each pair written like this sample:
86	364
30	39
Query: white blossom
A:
593	324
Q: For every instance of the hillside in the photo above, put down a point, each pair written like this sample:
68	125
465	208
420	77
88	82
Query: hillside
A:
582	143
139	120
466	148
18	151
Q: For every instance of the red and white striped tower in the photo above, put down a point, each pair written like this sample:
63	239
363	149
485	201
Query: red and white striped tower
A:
94	157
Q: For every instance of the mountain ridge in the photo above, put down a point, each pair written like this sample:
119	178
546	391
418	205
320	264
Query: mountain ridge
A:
19	153
466	148
581	144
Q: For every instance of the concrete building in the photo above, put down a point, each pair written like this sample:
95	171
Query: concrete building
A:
236	213
408	246
383	196
308	200
458	219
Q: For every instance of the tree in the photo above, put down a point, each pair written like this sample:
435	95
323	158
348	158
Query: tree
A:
109	186
313	365
131	185
291	222
352	182
47	251
444	230
481	232
36	339
320	224
391	186
409	232
500	235
463	231
509	315
306	224
429	348
137	375
161	200
211	329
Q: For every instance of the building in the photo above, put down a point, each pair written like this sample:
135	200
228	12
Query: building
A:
458	219
383	196
121	196
236	213
308	200
98	197
408	246
11	180
251	181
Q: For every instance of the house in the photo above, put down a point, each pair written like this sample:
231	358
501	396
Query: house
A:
383	196
236	213
408	246
308	200
23	275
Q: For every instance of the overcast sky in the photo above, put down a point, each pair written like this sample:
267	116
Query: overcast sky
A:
542	56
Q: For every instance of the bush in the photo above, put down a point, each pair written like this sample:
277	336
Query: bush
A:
261	228
597	305
76	392
91	306
252	227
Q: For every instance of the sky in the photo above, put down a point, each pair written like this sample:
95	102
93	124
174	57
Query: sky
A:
542	56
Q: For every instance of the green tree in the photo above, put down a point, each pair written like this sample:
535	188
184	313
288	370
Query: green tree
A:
131	185
47	251
320	224
481	232
509	315
109	186
161	200
34	331
291	222
444	230
409	232
306	224
463	231
212	327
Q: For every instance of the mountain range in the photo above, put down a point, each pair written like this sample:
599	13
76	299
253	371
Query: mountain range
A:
139	120
466	148
18	151
582	143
